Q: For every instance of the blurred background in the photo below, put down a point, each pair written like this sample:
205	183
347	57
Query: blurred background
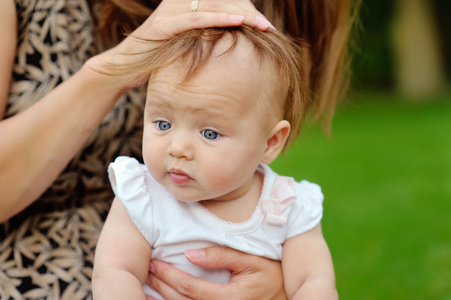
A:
385	170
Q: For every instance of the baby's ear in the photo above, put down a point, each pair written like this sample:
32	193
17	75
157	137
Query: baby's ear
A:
276	141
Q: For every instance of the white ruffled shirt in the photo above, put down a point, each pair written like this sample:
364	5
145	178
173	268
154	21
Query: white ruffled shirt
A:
286	208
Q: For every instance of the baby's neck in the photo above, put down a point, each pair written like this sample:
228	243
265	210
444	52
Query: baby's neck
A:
239	209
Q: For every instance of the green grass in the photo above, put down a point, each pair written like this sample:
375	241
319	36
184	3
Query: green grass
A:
386	176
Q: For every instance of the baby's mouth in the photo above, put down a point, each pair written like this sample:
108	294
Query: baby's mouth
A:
179	177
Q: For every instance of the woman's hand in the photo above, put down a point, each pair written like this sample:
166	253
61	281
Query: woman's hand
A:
170	18
253	277
174	16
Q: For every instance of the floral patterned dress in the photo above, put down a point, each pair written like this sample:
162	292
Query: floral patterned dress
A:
47	251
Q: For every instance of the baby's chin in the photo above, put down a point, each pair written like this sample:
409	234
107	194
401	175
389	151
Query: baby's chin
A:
189	192
183	194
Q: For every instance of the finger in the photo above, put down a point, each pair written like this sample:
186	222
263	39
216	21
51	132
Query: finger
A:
209	19
168	27
262	24
230	7
221	257
165	290
252	17
174	284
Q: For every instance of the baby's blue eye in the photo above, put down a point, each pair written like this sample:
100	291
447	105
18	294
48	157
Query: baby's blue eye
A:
163	125
210	134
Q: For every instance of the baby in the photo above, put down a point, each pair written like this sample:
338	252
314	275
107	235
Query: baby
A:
221	105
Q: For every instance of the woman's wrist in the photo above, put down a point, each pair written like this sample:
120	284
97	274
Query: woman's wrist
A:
100	78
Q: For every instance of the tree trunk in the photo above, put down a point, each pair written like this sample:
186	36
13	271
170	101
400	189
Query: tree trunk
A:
419	64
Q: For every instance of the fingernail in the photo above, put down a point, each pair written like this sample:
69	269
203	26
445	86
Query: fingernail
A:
195	253
272	26
262	22
151	268
237	18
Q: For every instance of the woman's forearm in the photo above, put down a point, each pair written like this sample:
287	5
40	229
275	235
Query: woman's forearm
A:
37	143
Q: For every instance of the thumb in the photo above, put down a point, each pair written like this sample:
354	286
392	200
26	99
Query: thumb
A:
220	257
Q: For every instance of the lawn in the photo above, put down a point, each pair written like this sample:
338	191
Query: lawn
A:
386	176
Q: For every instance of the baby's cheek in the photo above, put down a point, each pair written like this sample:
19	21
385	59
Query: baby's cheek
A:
154	162
221	175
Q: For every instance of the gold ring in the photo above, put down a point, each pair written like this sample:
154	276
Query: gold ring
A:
194	5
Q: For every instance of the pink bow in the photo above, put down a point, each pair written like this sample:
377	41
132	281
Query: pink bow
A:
282	196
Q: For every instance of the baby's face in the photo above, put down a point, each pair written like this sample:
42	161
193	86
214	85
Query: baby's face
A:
205	139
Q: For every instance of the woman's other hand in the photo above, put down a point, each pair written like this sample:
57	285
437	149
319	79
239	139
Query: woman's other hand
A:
253	277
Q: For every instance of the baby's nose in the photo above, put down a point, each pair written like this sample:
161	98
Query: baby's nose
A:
181	146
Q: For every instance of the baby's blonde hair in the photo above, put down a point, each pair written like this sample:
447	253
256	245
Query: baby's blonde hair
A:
287	92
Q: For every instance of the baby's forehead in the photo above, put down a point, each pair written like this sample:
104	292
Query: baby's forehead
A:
247	82
239	58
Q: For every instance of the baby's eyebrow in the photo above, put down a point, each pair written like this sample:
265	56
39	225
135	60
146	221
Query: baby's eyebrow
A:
216	116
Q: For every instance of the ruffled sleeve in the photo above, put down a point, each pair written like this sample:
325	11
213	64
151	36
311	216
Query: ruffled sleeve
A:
129	182
307	211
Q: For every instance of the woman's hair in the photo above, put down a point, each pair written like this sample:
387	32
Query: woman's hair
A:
115	18
323	25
